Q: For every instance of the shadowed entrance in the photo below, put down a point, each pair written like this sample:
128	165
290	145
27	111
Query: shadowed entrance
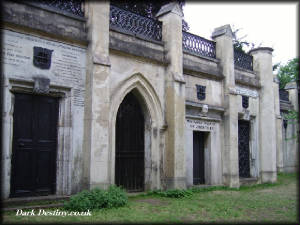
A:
244	159
34	145
129	171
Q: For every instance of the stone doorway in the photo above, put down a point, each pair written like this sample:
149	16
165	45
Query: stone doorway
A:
198	158
244	150
33	170
130	145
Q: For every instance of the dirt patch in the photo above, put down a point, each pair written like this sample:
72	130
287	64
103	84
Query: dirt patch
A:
226	192
281	190
188	219
151	201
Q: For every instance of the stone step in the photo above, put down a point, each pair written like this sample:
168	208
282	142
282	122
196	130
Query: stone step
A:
248	181
33	207
35	198
205	185
49	201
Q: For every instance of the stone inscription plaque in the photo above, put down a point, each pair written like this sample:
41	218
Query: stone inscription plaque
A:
243	91
68	63
201	125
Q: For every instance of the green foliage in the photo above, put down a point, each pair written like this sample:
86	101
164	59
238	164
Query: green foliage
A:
239	42
289	72
276	66
293	118
291	115
272	204
172	193
97	199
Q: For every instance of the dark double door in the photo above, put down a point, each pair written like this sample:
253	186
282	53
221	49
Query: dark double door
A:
198	158
243	142
129	168
34	145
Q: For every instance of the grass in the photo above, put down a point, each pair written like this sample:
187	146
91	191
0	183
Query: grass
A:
257	203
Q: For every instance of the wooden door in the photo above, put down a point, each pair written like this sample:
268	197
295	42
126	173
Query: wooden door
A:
198	158
129	169
34	145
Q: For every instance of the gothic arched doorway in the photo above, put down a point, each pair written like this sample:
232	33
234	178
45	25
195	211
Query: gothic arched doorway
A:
130	127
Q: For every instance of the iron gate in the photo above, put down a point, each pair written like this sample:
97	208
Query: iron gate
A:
244	160
129	170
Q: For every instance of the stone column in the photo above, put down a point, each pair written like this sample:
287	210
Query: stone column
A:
95	145
279	149
224	52
262	65
292	131
174	155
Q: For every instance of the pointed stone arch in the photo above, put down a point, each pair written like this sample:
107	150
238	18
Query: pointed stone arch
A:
151	106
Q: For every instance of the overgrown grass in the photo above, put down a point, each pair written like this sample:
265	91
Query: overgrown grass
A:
263	203
97	199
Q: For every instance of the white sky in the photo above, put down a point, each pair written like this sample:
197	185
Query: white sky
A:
272	24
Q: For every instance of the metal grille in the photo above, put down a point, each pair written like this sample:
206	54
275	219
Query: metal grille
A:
244	160
243	60
42	57
198	45
245	102
70	6
200	91
283	95
129	22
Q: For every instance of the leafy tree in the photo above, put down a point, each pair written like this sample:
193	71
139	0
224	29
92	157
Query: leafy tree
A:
239	43
288	73
147	8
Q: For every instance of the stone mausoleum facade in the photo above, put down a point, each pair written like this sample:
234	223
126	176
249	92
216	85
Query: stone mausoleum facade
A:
94	95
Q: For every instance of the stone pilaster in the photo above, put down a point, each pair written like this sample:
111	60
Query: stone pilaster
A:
279	147
292	131
174	155
262	65
224	52
96	140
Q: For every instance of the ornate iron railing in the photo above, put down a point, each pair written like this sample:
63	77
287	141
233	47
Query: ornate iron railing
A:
71	6
198	45
243	60
129	22
283	95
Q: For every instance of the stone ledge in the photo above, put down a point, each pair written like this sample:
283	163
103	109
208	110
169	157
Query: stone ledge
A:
245	80
138	36
136	49
203	118
201	56
28	16
191	67
200	105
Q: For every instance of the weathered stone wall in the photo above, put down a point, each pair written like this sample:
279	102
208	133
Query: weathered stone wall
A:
93	68
290	139
67	81
24	26
28	16
145	77
214	90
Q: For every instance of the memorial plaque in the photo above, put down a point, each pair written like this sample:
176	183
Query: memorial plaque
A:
201	125
68	62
